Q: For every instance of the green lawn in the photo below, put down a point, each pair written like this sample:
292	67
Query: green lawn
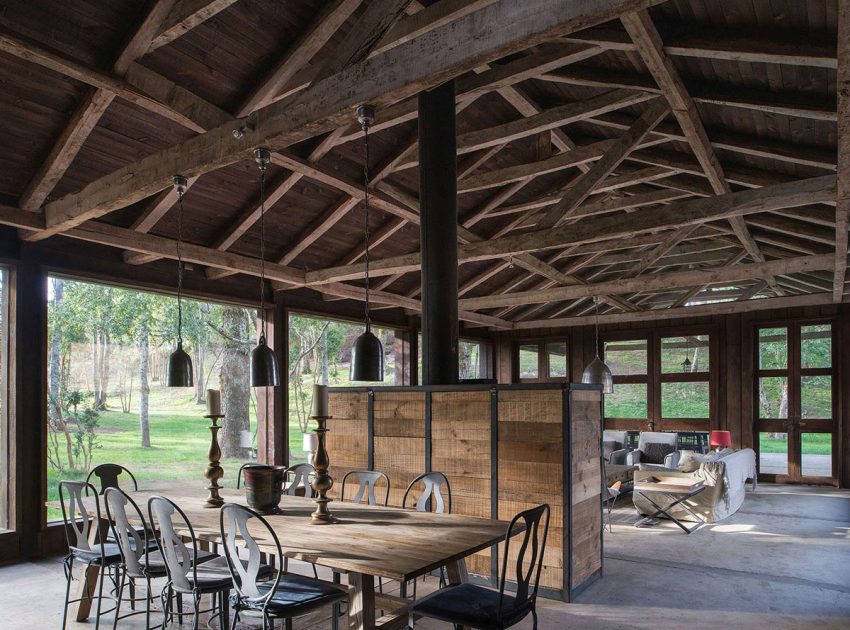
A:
813	444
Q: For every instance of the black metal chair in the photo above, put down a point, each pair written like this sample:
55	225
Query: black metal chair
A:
186	574
430	500
288	595
140	559
108	475
487	609
78	529
367	480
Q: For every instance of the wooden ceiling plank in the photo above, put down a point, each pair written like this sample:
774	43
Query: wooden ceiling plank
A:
186	15
842	210
724	44
89	111
427	61
308	44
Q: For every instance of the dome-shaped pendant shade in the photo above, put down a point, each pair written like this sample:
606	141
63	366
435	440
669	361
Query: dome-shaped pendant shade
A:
180	372
597	373
367	358
264	372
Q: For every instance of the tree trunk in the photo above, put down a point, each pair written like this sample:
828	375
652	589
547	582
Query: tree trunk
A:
200	354
325	356
144	387
234	380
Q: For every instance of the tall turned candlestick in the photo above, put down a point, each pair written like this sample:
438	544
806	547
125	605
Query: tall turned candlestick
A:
214	471
323	482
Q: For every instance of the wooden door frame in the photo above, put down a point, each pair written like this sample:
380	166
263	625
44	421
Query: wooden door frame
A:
793	424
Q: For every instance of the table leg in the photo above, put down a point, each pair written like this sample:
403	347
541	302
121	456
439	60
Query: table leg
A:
88	582
361	608
457	574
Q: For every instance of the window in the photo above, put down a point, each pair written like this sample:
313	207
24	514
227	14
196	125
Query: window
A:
628	362
541	361
5	446
320	352
473	359
685	387
662	378
107	400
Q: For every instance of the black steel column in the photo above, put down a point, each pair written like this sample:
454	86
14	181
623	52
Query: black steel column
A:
438	234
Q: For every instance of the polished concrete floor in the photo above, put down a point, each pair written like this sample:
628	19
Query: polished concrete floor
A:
783	561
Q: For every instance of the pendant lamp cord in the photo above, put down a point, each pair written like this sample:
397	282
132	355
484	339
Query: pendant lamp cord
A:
179	267
262	249
365	126
596	323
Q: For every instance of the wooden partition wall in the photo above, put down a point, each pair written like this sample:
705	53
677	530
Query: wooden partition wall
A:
504	448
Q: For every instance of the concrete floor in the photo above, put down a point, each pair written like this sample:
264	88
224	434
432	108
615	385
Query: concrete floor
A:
783	561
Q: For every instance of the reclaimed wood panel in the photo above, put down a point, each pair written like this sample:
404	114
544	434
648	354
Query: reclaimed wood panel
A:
347	440
399	443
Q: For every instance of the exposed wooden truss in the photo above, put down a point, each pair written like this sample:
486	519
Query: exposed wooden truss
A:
657	213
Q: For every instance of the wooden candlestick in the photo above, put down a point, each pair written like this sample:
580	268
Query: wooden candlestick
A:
322	483
214	471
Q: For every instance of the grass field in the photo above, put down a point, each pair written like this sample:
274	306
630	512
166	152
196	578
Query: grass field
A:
813	444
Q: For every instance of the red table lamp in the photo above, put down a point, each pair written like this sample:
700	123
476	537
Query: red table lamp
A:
720	438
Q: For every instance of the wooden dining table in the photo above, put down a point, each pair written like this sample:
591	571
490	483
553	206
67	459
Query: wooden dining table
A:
365	542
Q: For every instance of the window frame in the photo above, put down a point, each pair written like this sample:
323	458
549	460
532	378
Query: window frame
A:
542	359
655	378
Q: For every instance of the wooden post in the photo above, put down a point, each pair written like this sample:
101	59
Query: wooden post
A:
438	234
272	402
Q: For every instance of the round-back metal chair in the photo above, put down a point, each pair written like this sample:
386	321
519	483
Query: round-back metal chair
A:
366	483
301	474
433	483
108	475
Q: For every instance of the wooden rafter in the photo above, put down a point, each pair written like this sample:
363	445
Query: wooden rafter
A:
186	15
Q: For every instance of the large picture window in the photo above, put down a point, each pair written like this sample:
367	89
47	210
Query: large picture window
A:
107	399
662	381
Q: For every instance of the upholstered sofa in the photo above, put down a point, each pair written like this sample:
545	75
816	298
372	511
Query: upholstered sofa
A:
614	446
725	476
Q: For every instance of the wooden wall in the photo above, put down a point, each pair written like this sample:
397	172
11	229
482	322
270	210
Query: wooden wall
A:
504	450
733	362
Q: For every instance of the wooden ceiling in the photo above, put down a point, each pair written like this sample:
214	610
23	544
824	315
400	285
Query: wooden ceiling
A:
654	154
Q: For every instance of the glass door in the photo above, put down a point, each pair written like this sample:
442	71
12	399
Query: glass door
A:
794	402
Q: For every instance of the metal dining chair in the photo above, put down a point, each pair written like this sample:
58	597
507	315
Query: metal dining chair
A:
186	574
286	596
108	475
301	474
140	560
78	522
430	500
487	609
366	483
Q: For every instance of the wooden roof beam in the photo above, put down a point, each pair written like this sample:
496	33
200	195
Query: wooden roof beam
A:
186	15
681	213
427	61
656	282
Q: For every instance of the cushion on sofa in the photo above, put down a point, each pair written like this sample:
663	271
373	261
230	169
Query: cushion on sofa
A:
655	452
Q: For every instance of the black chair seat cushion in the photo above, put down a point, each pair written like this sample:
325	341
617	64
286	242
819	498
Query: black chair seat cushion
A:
112	554
214	575
295	595
471	605
155	564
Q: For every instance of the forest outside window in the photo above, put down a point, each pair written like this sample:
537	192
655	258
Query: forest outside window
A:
107	400
541	360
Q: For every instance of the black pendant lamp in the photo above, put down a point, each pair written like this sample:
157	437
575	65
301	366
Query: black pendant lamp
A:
597	372
180	372
367	353
264	372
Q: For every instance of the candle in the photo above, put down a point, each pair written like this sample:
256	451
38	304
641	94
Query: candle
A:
320	400
213	402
